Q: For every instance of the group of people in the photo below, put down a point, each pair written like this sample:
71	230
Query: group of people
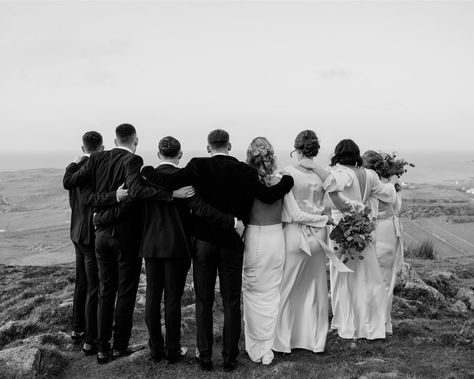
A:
264	233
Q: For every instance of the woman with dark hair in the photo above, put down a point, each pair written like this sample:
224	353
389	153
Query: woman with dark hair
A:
359	300
388	236
303	318
264	255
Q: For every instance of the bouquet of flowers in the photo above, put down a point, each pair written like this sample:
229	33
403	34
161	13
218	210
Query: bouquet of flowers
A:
391	166
352	234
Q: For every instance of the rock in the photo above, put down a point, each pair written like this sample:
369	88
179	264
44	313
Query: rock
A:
443	276
66	303
444	282
415	291
459	307
22	361
407	274
467	295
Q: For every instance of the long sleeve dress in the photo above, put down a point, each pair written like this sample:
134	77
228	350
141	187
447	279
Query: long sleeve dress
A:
264	258
303	316
359	298
389	248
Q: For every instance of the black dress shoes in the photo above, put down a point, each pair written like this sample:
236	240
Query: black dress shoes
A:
77	337
205	363
230	365
88	349
175	356
126	352
103	357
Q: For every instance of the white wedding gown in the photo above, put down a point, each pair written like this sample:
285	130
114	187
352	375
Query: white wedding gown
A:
264	258
359	299
303	317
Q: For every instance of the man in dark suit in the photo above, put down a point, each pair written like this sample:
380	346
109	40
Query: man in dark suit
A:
84	319
117	242
230	186
166	247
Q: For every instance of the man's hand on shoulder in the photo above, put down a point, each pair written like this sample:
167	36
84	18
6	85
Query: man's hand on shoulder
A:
239	228
184	192
79	159
122	193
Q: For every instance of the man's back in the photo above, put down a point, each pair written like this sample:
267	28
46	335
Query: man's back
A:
108	171
219	181
166	232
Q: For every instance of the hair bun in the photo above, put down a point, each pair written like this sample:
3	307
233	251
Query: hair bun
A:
311	147
308	143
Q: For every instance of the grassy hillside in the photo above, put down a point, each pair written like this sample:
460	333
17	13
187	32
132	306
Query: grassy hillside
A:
431	339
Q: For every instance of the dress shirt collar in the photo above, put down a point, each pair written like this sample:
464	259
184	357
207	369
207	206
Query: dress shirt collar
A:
124	148
217	154
168	163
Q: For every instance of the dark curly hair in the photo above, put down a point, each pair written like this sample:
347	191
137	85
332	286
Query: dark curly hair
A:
347	153
374	161
307	143
169	147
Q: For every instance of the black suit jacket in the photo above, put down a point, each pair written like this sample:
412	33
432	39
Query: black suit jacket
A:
225	183
167	228
82	230
105	171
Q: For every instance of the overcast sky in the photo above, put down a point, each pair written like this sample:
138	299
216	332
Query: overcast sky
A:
391	75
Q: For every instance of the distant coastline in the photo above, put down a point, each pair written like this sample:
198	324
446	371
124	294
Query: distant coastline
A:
431	166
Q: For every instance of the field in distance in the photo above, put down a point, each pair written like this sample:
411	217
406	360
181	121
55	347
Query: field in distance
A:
443	214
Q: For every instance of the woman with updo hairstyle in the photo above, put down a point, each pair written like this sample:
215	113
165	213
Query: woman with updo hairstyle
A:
264	255
359	299
303	319
388	233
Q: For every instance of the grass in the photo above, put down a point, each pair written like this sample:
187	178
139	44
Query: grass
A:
424	250
429	341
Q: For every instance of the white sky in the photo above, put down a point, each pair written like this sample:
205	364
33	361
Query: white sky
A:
391	75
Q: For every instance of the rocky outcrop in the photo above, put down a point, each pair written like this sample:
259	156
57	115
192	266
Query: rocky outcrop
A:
31	361
466	295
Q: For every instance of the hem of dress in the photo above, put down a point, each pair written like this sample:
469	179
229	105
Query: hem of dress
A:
288	350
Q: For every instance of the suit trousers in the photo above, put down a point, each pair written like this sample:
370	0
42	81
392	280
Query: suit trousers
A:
119	273
166	275
84	309
210	260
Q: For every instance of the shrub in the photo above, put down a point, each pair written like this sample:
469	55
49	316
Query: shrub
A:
424	250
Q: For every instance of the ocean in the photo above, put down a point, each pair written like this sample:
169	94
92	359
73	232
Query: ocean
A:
434	167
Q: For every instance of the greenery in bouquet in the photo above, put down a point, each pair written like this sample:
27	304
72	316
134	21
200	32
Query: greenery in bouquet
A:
352	234
391	166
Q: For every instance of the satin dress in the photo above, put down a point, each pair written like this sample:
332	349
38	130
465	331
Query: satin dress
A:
389	248
359	299
303	317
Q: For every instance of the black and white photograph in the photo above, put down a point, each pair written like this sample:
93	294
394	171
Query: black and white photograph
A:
237	189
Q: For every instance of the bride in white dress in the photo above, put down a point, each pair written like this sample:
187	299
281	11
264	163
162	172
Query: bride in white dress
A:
303	318
388	236
359	299
264	256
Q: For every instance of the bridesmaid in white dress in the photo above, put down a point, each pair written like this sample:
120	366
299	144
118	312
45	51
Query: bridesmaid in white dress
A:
388	236
303	318
264	256
359	299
